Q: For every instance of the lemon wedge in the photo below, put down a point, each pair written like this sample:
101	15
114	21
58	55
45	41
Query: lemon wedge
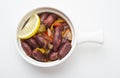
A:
31	27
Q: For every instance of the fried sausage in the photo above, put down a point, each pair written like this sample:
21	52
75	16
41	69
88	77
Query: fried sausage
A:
32	42
26	48
57	38
53	56
38	55
43	17
41	41
50	19
64	50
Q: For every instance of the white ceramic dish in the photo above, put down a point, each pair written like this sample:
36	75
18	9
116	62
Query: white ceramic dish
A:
93	37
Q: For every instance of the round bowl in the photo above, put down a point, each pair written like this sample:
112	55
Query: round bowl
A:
29	59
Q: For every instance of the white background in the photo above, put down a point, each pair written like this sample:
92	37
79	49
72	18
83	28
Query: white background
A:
87	61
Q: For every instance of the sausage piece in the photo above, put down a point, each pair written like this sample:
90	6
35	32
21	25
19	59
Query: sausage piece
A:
57	38
32	42
50	19
38	55
41	41
64	50
53	56
26	48
43	17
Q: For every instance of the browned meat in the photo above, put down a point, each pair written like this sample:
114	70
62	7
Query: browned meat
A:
50	19
57	38
64	50
26	48
41	41
53	56
38	55
43	17
32	42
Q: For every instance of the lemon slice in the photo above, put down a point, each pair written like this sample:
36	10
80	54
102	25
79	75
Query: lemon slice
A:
31	27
